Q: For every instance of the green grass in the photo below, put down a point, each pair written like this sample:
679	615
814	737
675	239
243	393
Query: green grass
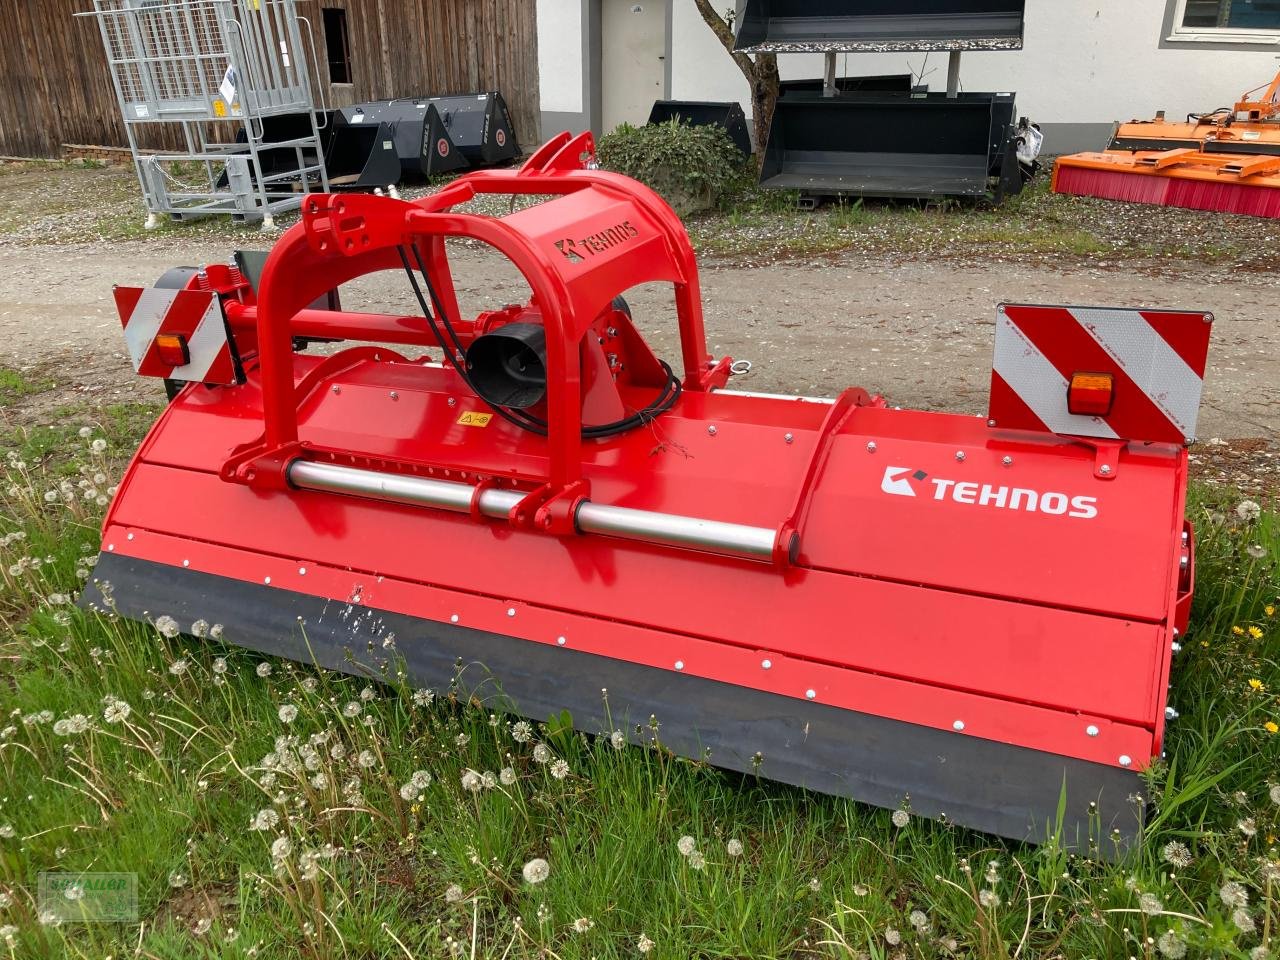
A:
17	384
379	867
69	203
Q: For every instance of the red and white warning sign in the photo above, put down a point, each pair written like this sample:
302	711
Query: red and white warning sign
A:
1099	371
178	334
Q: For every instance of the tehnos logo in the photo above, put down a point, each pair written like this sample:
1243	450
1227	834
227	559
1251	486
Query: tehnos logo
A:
905	482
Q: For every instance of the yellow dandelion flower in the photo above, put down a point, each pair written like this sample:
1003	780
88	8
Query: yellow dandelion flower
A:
1204	643
1269	610
1256	684
1255	632
1238	631
1271	727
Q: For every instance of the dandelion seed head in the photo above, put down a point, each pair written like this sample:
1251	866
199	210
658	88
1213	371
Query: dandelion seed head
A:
420	779
367	694
281	848
179	667
901	818
522	731
1234	894
86	432
1243	920
1150	904
423	698
1256	550
1248	510
453	893
167	626
351	709
1171	945
542	753
1176	853
367	759
696	860
892	937
220	665
461	740
7	832
287	713
536	870
471	781
686	845
263	669
644	944
200	628
98	445
920	921
988	898
117	711
264	819
583	924
560	769
815	885
617	740
733	847
1248	826
177	879
507	776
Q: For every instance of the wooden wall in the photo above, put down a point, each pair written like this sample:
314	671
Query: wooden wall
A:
55	87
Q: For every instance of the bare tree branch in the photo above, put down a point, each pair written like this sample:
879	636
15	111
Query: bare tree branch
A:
761	72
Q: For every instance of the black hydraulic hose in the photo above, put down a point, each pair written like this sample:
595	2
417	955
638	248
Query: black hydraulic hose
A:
452	346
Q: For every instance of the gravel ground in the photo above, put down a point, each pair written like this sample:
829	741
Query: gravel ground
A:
898	300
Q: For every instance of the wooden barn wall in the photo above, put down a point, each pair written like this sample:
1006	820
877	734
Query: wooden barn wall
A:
55	87
405	48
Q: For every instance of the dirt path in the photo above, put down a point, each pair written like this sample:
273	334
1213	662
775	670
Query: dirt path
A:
918	332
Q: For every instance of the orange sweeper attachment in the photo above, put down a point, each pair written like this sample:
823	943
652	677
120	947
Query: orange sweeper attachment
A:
1227	160
974	617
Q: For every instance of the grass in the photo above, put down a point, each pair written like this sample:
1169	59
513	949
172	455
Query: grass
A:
272	810
70	203
17	384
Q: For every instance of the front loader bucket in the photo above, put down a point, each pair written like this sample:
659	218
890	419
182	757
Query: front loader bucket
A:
728	116
891	145
361	156
796	26
888	83
912	609
418	135
481	126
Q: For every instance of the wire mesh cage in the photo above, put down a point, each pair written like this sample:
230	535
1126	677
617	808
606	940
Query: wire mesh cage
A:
201	63
204	59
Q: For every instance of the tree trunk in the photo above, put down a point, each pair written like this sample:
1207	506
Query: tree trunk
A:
761	71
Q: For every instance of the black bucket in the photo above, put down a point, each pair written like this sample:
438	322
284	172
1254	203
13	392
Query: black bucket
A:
889	83
904	146
274	157
360	157
422	144
480	125
824	25
700	113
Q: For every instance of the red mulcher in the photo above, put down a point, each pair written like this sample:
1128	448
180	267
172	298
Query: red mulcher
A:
973	617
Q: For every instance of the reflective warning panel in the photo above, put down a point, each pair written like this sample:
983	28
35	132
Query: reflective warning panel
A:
177	334
1099	371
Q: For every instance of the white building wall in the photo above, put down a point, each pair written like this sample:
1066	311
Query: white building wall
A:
560	66
1083	62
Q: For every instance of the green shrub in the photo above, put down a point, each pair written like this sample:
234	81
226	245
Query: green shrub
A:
691	167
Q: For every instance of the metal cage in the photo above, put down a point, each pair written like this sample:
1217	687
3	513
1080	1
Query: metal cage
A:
205	65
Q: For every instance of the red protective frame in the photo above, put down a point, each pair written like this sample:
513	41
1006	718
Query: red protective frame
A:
344	237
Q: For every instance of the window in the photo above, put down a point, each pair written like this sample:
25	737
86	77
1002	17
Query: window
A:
1232	21
337	48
